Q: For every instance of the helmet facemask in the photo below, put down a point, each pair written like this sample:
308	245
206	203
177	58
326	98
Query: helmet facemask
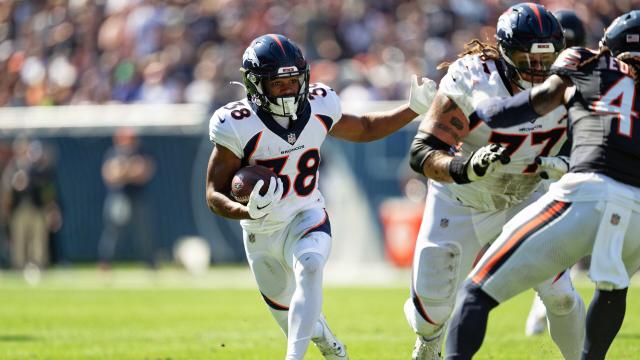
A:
287	105
530	68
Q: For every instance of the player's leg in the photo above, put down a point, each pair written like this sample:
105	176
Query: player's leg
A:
534	246
537	318
308	246
565	312
606	313
273	275
306	303
608	306
446	247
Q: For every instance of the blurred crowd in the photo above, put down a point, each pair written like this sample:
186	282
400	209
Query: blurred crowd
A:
55	52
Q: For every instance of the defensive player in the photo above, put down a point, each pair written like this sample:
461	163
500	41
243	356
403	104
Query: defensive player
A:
594	209
465	211
281	125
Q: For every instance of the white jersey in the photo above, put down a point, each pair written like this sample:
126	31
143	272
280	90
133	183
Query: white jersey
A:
514	182
293	154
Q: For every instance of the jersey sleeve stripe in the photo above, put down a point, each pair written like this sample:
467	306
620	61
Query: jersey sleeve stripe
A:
548	214
250	148
325	120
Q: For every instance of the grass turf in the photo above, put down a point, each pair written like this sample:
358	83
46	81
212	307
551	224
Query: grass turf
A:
83	316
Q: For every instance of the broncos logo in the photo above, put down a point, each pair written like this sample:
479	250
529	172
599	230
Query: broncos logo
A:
250	55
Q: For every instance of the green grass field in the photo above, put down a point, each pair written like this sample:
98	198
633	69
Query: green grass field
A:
132	314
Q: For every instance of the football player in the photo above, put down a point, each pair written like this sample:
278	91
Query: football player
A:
594	209
281	125
473	191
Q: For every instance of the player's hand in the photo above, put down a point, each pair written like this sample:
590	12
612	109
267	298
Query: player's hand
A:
486	160
478	89
422	94
261	205
553	167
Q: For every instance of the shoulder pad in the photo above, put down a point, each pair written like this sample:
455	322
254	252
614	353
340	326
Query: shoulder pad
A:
325	101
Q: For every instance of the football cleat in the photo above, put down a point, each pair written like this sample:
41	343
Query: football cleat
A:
427	349
330	347
537	319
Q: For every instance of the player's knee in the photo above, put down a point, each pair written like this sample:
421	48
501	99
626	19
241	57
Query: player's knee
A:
420	325
437	279
559	303
309	264
437	272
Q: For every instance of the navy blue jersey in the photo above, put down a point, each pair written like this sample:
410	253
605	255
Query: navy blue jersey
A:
602	114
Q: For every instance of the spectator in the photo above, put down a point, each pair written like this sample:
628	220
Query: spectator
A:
70	52
30	206
126	172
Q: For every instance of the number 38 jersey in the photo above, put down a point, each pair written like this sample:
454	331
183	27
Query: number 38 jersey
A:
602	114
293	154
512	183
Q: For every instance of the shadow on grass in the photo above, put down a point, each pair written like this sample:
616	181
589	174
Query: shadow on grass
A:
17	338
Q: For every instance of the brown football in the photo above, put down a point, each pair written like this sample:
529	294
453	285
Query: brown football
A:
246	178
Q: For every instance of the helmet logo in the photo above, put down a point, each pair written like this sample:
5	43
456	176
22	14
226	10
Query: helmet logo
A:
286	70
633	38
537	48
250	55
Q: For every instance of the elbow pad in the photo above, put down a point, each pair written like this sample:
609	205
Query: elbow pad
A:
421	147
506	112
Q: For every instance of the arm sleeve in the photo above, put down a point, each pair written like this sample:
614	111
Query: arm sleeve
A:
221	132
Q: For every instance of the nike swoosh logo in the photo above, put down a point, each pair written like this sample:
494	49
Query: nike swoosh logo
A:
260	208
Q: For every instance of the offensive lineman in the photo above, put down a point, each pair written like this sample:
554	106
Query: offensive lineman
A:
281	125
594	209
472	195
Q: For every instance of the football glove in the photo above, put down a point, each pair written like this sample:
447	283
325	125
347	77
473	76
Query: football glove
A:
485	161
261	205
421	95
478	89
553	167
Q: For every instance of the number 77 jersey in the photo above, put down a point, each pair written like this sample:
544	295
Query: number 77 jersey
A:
293	153
513	183
603	114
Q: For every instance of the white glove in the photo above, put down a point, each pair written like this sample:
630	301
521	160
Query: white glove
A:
478	89
422	95
486	160
553	167
261	205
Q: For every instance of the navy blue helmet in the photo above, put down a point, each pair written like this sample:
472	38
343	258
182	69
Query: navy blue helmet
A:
270	57
574	33
623	35
529	39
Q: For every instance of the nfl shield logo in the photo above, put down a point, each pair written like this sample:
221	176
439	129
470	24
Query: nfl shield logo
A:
444	222
252	238
615	219
291	138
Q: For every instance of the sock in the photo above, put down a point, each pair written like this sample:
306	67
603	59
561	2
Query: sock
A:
306	304
468	324
604	319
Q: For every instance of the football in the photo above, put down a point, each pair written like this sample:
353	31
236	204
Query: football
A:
245	179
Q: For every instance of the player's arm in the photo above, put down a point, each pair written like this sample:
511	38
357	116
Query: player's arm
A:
372	126
444	126
525	106
376	125
223	164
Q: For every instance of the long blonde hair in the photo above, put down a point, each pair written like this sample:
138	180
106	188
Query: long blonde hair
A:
487	52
